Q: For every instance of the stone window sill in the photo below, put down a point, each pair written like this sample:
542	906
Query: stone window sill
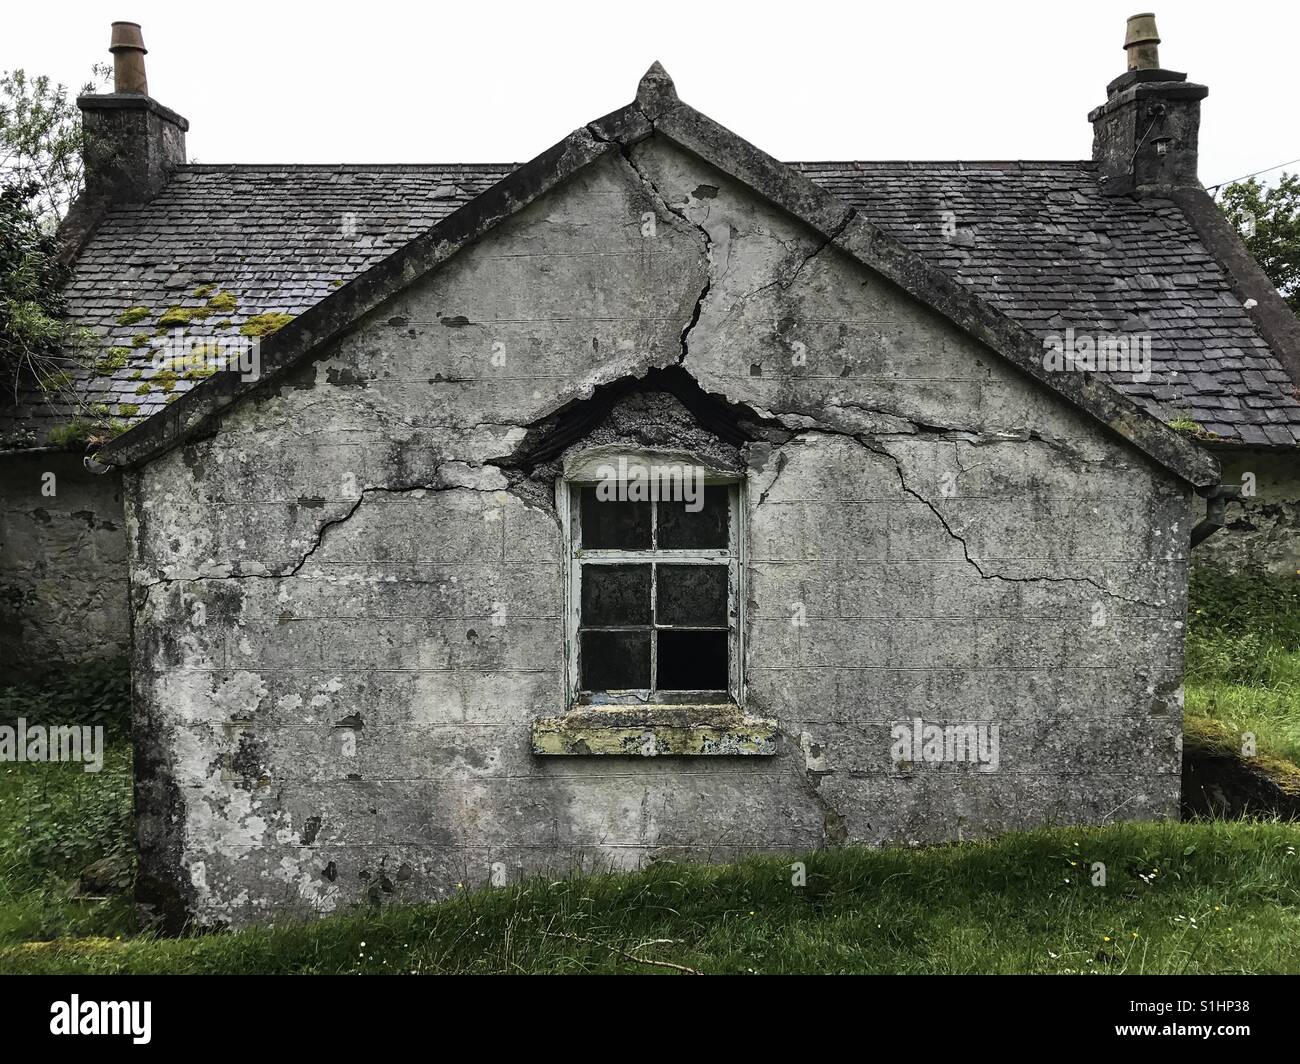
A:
695	730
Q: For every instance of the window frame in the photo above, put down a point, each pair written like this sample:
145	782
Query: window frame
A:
568	494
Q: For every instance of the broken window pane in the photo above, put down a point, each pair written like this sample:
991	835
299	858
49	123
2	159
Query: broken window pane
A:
680	529
615	661
614	525
692	661
615	595
694	595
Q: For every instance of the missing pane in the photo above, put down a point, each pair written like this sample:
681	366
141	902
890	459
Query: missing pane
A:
692	661
614	525
691	595
615	661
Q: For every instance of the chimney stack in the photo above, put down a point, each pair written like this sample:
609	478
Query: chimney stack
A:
1145	134
132	142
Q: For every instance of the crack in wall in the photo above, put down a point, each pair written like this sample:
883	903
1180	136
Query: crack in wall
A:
659	198
865	443
319	535
835	830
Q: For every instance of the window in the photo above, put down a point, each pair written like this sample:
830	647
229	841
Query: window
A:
654	596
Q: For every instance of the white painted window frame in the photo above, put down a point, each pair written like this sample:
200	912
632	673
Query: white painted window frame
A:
567	494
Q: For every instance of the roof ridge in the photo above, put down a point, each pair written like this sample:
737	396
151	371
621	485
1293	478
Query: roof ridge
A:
971	163
338	167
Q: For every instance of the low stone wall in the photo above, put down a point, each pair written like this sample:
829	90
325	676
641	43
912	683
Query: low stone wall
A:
63	572
1262	531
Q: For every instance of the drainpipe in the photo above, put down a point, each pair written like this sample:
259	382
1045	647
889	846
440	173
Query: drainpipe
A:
1216	502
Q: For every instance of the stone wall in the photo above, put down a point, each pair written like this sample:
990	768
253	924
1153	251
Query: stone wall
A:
1261	531
63	577
349	606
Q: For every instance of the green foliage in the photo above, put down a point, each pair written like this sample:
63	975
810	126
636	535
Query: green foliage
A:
127	409
31	306
204	290
1243	657
1186	424
94	693
41	140
1268	219
55	820
77	432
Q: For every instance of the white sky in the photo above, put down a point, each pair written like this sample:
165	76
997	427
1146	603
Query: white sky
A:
499	80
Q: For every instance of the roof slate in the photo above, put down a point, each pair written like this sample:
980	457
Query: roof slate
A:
1037	240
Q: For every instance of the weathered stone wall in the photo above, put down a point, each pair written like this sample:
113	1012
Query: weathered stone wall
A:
347	618
1261	531
63	577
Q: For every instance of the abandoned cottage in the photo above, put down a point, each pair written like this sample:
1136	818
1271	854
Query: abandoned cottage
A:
650	499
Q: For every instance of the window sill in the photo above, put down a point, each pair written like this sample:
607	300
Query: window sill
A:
696	730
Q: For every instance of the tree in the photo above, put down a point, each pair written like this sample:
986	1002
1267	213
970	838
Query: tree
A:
41	173
31	307
1268	219
41	140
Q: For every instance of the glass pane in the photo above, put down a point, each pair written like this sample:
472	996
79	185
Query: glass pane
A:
614	525
692	595
614	595
680	529
692	661
615	661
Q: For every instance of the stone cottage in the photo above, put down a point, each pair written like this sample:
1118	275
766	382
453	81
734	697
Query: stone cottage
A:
406	611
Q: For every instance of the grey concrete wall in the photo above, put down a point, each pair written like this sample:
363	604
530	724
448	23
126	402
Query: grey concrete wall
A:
63	579
1261	531
329	714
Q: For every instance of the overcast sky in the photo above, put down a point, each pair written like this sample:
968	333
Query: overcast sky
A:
499	81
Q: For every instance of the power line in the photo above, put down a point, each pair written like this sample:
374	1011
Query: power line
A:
1243	177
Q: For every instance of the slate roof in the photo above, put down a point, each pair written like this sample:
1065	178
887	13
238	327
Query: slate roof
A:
1042	243
1038	240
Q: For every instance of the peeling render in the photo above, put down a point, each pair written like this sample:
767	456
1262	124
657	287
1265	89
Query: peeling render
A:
349	594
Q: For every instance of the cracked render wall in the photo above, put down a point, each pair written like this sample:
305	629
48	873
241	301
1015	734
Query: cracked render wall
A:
347	618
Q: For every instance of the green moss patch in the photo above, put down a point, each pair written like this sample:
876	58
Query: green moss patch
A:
224	302
265	324
112	361
132	315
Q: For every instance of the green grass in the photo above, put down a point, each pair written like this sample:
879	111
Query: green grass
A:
1243	659
1206	897
55	819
